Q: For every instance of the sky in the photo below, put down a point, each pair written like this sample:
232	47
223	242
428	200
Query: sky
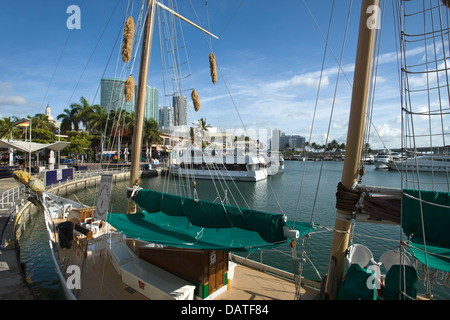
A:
270	56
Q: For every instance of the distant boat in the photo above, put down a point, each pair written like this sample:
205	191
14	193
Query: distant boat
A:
199	164
425	163
275	163
382	160
368	159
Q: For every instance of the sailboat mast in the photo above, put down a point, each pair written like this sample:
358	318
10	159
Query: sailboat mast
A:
141	93
361	82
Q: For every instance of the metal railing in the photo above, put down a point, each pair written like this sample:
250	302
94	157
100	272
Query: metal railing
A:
94	173
10	196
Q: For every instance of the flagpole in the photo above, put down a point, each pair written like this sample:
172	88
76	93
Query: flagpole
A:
29	154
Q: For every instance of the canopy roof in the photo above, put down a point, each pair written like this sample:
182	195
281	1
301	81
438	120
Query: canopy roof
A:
26	146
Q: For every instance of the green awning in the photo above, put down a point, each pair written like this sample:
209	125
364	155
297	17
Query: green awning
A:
177	231
436	226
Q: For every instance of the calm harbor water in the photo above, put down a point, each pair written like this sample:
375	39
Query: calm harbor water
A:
297	191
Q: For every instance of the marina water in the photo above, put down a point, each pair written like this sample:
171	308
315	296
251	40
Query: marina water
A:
304	191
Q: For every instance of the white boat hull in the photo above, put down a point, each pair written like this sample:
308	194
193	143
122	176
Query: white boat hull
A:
251	176
422	164
381	165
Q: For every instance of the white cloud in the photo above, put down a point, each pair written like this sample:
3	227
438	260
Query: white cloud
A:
385	135
12	101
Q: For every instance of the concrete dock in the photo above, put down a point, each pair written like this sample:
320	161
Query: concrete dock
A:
12	282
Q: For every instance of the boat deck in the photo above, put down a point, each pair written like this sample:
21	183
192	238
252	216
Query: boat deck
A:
251	284
101	281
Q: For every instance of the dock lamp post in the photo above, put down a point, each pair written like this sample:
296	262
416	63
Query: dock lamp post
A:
26	122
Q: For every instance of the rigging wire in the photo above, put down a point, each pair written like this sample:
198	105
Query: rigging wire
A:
330	118
433	59
234	104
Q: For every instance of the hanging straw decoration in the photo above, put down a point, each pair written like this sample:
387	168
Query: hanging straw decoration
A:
212	67
195	100
128	33
129	88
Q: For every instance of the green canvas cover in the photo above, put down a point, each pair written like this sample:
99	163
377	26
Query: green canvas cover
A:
395	281
214	215
177	231
355	286
436	225
439	257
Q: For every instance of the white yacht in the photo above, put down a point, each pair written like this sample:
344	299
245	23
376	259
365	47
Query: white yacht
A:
275	163
368	159
425	163
382	160
212	164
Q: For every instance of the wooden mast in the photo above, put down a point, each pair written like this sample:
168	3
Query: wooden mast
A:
141	93
361	81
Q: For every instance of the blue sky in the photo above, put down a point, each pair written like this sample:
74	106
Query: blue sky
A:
270	55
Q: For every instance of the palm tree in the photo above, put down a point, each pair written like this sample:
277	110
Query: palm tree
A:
151	132
192	135
98	122
7	129
69	121
40	121
83	112
98	119
201	129
129	120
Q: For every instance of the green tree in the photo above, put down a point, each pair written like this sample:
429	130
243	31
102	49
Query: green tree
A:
151	132
68	120
40	121
201	130
84	112
7	129
80	142
192	135
98	123
98	119
43	136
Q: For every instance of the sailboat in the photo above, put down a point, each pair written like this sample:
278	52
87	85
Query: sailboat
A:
179	247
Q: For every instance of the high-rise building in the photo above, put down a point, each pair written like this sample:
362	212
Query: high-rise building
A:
179	110
291	141
166	121
151	107
112	97
275	140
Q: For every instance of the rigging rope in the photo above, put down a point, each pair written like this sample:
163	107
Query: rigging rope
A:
435	63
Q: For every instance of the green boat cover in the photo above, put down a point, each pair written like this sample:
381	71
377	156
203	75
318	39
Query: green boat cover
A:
186	223
436	217
400	278
359	284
